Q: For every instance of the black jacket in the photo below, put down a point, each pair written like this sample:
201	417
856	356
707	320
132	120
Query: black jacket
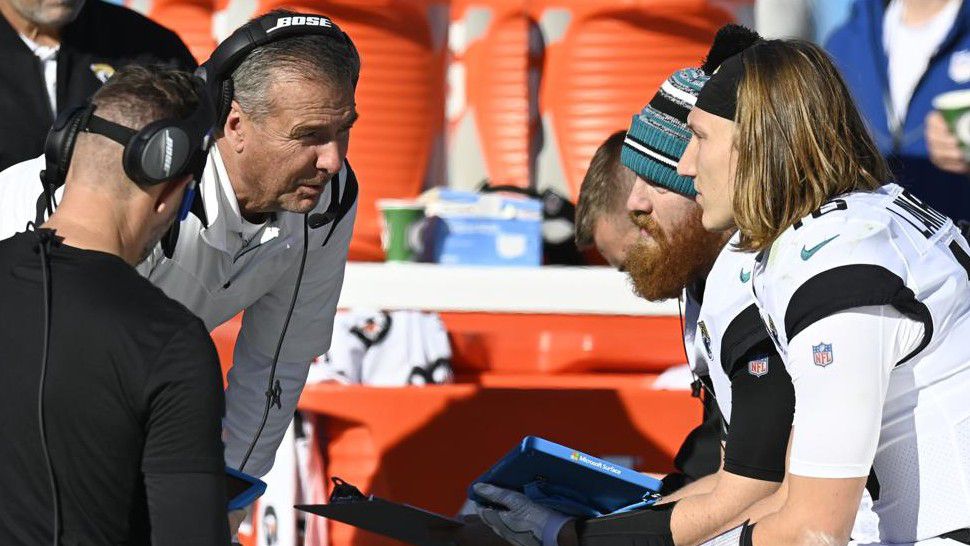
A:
102	34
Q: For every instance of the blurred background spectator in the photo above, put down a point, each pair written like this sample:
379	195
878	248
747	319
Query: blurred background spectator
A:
57	54
896	57
805	19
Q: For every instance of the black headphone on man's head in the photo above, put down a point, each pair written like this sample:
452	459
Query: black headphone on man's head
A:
163	150
230	53
274	26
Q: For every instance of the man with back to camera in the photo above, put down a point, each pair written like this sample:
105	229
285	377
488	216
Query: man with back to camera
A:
276	183
132	402
754	393
56	53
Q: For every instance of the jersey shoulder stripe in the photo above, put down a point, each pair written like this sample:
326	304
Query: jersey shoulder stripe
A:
879	248
850	286
745	332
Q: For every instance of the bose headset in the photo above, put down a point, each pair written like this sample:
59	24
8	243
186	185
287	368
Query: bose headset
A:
162	151
217	73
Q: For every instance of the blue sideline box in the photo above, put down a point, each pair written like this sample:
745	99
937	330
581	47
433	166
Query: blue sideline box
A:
466	228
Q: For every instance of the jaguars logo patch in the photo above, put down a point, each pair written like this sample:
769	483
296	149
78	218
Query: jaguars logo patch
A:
102	71
772	330
706	338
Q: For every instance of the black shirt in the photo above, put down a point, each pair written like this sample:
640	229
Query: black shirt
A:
133	406
103	35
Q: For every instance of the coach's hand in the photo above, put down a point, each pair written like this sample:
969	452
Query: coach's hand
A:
236	517
522	522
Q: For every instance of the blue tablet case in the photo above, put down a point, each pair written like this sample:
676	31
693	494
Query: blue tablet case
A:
242	489
570	481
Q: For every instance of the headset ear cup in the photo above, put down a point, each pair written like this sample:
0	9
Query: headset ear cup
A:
59	145
161	151
131	161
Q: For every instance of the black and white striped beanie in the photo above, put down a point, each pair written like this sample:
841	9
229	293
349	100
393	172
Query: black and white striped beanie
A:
658	135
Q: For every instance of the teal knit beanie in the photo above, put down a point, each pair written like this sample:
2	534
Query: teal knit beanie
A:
658	135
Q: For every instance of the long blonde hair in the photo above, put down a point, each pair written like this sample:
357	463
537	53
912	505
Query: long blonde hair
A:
800	140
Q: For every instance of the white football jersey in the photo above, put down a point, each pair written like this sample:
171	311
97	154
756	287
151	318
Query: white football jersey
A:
728	324
385	349
868	302
729	342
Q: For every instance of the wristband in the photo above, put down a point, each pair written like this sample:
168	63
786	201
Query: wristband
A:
739	536
645	527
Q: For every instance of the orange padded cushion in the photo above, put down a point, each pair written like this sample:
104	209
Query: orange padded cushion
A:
609	61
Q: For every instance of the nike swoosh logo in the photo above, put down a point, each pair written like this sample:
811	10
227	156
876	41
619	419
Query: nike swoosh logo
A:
745	277
809	252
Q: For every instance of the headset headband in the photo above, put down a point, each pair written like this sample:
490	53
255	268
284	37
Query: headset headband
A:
217	70
163	150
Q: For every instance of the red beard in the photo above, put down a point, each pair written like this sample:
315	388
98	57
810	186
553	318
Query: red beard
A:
662	268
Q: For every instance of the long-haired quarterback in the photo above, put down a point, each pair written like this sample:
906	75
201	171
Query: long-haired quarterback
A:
865	290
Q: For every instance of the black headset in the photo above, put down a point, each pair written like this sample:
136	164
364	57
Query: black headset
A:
161	151
272	27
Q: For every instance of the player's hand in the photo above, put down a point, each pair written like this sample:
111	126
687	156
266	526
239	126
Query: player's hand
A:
521	522
944	148
236	518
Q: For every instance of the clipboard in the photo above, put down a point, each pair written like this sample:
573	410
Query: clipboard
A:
391	519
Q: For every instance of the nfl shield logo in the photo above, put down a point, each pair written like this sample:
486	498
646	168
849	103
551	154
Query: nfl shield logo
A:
758	367
822	354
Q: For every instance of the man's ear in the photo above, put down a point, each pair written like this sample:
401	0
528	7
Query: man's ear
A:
235	129
170	195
